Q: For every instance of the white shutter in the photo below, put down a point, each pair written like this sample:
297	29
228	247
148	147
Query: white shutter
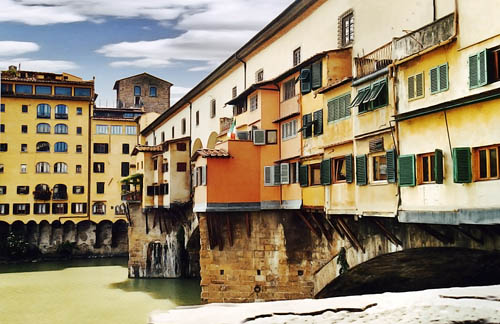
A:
297	165
203	170
195	177
285	173
268	175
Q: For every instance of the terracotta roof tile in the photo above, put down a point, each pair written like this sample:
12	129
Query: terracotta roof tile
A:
146	148
211	153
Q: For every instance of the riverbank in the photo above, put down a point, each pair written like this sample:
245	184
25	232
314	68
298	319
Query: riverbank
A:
471	305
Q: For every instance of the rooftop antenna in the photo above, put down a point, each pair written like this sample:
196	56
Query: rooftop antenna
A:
19	69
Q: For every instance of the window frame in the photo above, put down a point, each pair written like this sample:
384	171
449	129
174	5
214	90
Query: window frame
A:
335	166
296	56
153	91
430	169
346	31
101	129
477	163
371	166
312	179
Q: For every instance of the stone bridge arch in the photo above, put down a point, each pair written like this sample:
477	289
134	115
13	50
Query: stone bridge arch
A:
370	241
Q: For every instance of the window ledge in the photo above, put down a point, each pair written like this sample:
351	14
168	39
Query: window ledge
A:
379	183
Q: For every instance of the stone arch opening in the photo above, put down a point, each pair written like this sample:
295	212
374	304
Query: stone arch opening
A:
119	236
69	232
193	250
103	234
32	232
18	228
417	269
45	234
212	140
56	234
85	235
196	146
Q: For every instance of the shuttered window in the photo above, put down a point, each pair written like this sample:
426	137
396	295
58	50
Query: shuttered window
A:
406	170
306	126
416	86
285	173
326	172
439	78
277	175
349	168
318	122
305	80
339	107
268	175
391	166
303	175
461	165
316	75
361	178
478	70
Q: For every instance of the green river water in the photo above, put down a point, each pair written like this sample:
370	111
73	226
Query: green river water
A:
86	292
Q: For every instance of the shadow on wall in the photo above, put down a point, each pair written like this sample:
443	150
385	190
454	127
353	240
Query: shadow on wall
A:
418	269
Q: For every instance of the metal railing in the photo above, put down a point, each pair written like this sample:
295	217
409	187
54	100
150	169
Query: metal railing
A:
374	61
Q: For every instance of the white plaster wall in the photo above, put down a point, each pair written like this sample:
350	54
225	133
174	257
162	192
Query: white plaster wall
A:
478	20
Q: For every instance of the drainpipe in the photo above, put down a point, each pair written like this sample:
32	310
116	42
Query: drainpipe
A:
89	154
190	155
433	10
244	71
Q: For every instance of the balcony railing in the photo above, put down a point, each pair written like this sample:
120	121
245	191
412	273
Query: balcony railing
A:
425	37
42	195
374	61
134	196
289	107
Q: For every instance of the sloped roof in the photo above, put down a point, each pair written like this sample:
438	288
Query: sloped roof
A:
211	153
146	148
137	75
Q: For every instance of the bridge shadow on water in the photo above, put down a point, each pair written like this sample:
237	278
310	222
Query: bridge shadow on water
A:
418	269
57	265
179	291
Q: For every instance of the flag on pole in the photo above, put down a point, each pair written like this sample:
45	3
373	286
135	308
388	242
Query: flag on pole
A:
232	130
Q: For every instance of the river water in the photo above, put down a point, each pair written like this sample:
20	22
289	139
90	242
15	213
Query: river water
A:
86	292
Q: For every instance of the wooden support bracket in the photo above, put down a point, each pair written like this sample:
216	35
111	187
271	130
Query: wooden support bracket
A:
308	224
147	226
436	234
247	221
350	235
336	227
393	238
466	232
317	219
210	232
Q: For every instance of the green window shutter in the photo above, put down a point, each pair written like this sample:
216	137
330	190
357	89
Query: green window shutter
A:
331	110
419	85
305	80
361	177
473	71
304	123
326	172
277	174
347	103
434	80
438	166
309	128
461	165
406	170
318	122
336	110
303	175
391	166
483	68
411	87
316	75
348	168
443	77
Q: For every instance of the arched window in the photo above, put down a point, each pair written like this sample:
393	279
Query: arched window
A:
99	208
60	192
43	111
60	167
61	112
42	147
42	167
61	129
42	192
43	128
60	147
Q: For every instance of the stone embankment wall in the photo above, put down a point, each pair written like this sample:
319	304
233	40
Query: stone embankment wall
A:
163	243
85	238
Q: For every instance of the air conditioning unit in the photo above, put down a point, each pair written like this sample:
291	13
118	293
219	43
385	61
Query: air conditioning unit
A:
244	136
259	137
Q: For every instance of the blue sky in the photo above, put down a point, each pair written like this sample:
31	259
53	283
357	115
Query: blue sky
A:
178	40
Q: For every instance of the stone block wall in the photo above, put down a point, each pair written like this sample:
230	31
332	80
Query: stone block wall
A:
276	262
126	96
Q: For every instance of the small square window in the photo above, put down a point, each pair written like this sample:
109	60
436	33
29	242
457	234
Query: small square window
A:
78	169
2	107
125	148
2	128
1	168
100	187
79	131
347	29
152	92
24	108
3	190
315	174
181	167
24	148
487	163
23	190
379	168
78	149
339	170
78	110
24	168
234	92
259	75
24	129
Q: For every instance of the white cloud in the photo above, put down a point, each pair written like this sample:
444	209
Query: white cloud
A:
27	64
9	48
176	93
